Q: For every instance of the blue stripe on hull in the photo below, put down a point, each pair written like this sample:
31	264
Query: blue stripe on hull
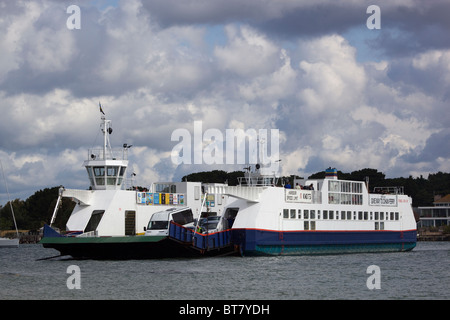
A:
264	242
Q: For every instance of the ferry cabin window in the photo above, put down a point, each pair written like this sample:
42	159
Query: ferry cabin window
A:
292	216
366	215
306	225
331	214
312	214
396	216
381	215
342	215
357	199
349	215
299	216
346	186
360	215
377	216
356	187
334	198
342	192
285	213
325	214
170	188
381	225
377	226
346	199
312	225
94	221
306	214
333	186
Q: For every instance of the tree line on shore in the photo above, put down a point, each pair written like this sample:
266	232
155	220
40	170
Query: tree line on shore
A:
34	212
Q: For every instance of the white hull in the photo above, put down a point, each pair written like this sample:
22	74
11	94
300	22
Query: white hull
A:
9	243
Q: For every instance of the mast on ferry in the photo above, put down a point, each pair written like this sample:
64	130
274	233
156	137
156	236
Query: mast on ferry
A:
106	167
261	176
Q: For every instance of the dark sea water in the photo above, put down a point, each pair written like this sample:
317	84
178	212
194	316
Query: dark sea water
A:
423	273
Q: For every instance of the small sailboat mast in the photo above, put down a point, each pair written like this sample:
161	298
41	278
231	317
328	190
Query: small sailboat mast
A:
16	242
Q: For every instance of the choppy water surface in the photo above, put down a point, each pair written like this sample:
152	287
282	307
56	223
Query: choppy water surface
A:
420	274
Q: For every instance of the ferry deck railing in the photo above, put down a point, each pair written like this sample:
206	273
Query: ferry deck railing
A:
111	154
389	190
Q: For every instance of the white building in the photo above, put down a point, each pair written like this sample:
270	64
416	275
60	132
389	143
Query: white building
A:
437	215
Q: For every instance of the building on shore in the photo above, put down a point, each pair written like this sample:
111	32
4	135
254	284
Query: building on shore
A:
437	215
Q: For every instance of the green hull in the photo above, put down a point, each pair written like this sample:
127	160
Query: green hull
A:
131	247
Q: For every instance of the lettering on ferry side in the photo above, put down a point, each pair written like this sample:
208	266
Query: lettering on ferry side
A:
382	200
374	281
298	196
73	281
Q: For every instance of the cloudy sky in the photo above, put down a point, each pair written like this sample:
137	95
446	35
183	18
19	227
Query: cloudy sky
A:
340	94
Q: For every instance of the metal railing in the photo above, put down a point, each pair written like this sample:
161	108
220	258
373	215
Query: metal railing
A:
111	154
389	190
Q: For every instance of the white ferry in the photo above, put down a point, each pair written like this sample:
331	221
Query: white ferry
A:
256	217
320	216
109	221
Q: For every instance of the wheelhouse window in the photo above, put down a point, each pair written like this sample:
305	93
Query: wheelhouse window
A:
91	176
121	174
99	173
111	173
